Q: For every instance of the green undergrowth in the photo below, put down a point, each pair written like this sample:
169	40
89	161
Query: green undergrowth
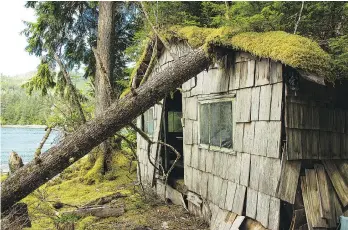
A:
71	187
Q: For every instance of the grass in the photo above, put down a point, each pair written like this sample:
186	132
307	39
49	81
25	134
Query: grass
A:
71	187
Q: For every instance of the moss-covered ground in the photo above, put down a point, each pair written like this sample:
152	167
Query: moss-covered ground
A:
77	186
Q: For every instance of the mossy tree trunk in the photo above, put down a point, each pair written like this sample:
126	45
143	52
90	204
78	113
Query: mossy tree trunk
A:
105	64
120	113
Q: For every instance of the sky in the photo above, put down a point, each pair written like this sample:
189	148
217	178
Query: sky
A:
14	60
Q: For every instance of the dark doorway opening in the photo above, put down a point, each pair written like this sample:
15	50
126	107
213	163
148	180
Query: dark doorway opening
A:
173	135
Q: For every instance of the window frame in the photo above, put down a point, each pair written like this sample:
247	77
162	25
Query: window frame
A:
222	98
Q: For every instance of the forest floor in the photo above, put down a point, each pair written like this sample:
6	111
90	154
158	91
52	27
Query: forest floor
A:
76	187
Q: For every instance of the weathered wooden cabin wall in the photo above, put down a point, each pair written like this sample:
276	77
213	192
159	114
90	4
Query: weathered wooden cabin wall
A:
317	121
147	170
251	178
245	180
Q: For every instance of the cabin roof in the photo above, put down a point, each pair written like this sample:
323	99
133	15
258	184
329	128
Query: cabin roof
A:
293	50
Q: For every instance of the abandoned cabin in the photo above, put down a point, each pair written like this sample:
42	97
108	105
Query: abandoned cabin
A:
262	133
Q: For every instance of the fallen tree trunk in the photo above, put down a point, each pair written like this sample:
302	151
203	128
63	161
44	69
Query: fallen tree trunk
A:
87	136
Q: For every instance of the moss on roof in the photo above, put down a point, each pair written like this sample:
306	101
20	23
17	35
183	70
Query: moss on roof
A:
293	50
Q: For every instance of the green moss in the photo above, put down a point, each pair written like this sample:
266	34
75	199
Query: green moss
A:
86	222
3	177
293	50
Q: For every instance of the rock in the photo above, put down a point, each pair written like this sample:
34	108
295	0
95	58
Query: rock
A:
15	162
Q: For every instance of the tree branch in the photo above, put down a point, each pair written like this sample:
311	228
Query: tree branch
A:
299	18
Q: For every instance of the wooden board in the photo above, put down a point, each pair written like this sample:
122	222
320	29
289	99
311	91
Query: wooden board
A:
255	103
237	223
276	72
313	199
274	214
191	106
238	137
260	139
262	76
238	201
188	177
234	167
274	139
251	203
209	160
243	107
230	193
195	157
188	130
290	172
265	102
344	146
204	185
262	212
269	174
338	181
210	192
234	79
245	169
323	188
299	219
222	194
201	159
187	154
306	201
276	103
254	172
246	74
248	137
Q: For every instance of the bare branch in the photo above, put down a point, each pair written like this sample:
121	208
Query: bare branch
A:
299	18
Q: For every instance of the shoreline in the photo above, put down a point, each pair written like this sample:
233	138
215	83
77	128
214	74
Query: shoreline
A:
24	126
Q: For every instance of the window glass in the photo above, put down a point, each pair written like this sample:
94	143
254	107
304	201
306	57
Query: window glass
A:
226	124
174	121
148	122
216	124
204	123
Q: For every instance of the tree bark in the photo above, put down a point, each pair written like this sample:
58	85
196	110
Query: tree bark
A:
87	136
103	53
44	139
72	88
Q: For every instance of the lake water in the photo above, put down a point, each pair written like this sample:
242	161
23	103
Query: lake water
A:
24	141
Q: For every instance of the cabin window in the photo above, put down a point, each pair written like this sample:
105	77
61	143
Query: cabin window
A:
148	122
216	124
174	122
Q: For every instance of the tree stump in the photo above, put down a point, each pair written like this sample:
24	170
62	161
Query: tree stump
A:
15	162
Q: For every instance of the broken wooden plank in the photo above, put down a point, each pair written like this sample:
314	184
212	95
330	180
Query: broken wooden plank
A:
323	189
230	193
251	203
245	169
262	212
238	201
289	177
313	199
194	199
306	200
230	218
265	102
274	213
237	223
338	182
222	194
